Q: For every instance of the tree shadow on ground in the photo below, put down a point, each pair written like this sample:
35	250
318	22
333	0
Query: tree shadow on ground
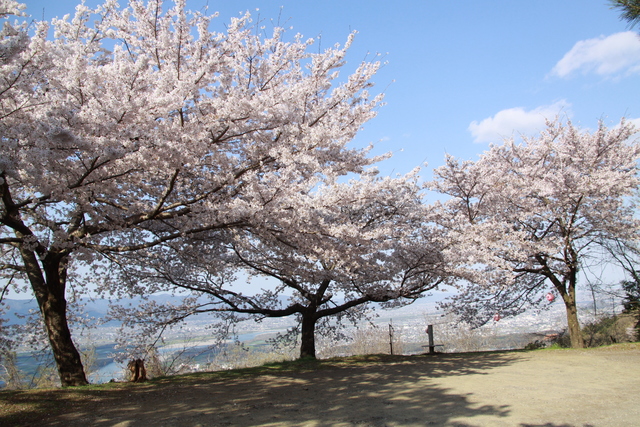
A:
553	425
372	394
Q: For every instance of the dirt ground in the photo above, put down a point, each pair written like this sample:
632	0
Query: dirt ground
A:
552	388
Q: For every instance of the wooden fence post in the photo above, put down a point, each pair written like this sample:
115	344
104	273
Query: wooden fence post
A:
432	347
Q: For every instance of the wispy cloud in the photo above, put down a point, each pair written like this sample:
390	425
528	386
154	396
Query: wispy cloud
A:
516	120
616	54
636	123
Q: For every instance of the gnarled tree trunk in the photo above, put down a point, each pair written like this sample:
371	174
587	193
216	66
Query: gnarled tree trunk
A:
64	350
49	290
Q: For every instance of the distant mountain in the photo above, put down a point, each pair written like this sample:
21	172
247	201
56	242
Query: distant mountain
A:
16	309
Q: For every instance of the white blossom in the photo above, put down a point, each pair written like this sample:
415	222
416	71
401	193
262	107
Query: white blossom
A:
522	219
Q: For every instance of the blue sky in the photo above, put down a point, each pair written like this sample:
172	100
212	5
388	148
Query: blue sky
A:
463	73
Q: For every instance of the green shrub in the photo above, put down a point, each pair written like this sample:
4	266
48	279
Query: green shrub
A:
609	330
631	303
535	345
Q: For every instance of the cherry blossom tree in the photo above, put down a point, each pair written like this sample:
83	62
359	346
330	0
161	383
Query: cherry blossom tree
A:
523	219
134	127
329	253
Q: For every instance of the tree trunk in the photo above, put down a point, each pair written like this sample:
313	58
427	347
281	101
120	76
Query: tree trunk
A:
566	286
46	270
575	332
49	290
67	357
308	344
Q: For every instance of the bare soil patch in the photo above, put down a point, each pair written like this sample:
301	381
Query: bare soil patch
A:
552	388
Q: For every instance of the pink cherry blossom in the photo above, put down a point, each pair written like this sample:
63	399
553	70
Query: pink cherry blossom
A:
123	129
526	215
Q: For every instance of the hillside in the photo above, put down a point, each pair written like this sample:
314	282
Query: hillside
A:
595	387
408	322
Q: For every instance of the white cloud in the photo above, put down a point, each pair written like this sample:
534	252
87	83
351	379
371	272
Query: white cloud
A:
634	138
617	53
636	122
516	120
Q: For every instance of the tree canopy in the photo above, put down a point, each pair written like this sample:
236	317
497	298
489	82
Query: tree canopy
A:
130	128
329	253
523	218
